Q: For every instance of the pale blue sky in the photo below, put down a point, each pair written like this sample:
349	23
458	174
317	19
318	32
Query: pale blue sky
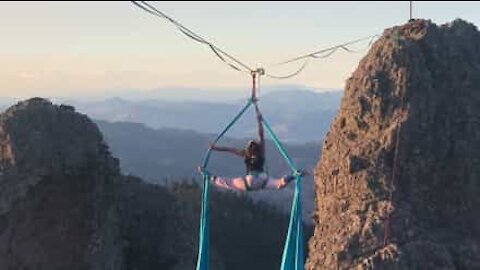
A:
63	48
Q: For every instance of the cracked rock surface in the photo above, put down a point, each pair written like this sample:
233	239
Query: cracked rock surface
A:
398	183
57	191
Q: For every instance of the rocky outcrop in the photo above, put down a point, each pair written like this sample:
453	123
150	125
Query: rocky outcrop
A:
398	184
57	191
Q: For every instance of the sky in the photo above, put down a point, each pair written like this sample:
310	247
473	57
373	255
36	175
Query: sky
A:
77	48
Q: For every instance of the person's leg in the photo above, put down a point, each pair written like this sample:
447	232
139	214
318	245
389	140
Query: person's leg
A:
284	181
278	183
237	183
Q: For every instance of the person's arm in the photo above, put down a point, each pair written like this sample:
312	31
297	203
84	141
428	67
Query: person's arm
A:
261	132
235	151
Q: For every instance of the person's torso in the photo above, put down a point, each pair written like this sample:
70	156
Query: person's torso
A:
254	163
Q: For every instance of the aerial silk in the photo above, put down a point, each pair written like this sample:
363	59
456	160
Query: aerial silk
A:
293	253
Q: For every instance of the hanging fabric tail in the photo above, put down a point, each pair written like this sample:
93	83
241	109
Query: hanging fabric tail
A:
203	253
293	254
204	243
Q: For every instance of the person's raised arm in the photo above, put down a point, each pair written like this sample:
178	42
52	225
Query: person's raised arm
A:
261	132
235	151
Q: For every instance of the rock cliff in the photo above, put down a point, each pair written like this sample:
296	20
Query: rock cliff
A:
398	183
58	205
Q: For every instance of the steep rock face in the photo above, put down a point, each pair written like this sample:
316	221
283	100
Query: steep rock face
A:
57	191
398	184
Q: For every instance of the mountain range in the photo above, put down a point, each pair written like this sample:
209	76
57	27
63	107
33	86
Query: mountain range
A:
298	116
169	156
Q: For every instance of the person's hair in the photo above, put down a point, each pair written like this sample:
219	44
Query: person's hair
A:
253	147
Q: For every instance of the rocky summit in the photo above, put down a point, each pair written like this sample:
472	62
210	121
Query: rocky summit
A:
57	191
398	183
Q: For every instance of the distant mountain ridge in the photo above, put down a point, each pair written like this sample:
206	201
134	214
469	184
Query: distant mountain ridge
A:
182	94
173	153
298	116
165	156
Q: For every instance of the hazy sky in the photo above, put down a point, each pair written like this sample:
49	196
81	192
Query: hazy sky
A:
66	48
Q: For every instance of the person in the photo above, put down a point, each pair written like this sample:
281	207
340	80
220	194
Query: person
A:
256	178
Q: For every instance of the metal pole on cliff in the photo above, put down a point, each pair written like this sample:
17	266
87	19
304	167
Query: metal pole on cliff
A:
411	17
